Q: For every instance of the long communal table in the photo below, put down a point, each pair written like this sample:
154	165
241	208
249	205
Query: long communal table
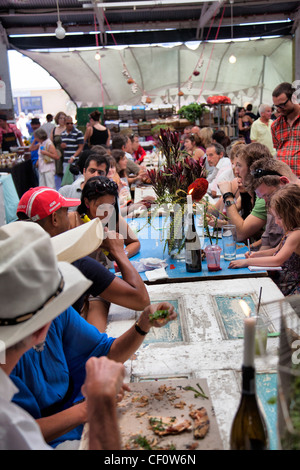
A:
152	241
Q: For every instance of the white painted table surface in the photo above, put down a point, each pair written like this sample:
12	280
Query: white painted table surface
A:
204	353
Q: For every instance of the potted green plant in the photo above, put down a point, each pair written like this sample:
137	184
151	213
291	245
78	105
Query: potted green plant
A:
192	112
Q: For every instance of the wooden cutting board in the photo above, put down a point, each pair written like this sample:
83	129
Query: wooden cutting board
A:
162	399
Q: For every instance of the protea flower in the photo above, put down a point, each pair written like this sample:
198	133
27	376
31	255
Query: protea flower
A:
198	189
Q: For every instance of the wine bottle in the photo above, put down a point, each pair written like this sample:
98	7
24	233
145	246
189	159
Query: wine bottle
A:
193	261
248	431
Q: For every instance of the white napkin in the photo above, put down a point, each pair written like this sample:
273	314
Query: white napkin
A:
264	268
147	264
156	274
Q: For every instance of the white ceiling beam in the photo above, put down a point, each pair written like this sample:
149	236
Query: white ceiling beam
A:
207	13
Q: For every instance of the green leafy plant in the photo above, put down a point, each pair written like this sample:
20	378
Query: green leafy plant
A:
192	111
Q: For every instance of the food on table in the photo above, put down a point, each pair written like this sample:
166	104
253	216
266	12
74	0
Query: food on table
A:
201	422
169	425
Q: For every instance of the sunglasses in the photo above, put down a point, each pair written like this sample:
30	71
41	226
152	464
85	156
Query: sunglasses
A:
282	105
259	173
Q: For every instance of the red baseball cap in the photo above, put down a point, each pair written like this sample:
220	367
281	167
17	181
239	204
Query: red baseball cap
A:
37	203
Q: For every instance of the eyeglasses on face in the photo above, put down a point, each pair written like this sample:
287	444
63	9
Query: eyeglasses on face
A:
281	105
69	123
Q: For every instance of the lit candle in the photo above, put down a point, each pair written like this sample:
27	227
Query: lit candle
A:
249	336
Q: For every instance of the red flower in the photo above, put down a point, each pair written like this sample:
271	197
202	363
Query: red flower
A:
198	189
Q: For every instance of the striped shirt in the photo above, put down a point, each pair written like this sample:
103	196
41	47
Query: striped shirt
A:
286	141
73	139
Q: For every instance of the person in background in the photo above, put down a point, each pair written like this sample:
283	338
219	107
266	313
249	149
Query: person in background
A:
286	129
55	136
138	152
49	125
261	128
221	138
34	149
249	112
72	142
47	156
191	145
215	154
244	124
96	133
134	171
10	135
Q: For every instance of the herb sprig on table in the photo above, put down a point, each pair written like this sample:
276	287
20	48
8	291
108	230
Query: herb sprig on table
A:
198	393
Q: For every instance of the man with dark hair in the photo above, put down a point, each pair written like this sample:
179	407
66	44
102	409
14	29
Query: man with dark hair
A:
72	142
49	125
286	129
123	142
95	165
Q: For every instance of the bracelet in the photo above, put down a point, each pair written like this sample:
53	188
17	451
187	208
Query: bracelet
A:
139	330
226	195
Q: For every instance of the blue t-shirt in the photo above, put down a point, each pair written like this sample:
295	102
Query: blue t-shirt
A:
45	378
34	153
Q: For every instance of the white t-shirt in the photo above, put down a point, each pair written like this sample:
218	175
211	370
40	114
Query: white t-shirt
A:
43	166
18	430
224	173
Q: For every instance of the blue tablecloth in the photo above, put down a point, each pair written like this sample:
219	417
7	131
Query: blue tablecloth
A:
152	246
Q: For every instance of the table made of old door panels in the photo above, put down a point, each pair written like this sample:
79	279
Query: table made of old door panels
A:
200	343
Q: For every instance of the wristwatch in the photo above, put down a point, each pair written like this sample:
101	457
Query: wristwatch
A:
226	195
229	203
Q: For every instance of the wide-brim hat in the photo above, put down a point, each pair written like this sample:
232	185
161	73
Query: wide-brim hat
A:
79	241
34	287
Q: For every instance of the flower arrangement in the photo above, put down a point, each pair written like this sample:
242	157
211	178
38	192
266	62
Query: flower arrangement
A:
172	182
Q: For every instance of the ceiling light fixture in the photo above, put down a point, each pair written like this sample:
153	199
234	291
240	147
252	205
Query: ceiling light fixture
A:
232	58
60	32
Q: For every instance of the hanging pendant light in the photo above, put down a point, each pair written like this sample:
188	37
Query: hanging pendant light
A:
232	58
60	32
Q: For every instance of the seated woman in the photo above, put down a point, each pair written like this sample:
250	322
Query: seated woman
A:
100	199
191	145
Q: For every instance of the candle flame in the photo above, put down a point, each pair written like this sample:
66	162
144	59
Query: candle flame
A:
245	307
191	190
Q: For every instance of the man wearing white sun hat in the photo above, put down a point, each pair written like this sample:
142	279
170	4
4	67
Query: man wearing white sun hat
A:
34	289
50	375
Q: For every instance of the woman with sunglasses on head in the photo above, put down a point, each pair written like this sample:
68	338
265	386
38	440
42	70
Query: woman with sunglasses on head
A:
100	199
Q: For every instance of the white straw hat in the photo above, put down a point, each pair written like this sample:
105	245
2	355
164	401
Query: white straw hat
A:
34	287
79	241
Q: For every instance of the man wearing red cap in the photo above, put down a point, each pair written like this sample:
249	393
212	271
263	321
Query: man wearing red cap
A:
49	209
